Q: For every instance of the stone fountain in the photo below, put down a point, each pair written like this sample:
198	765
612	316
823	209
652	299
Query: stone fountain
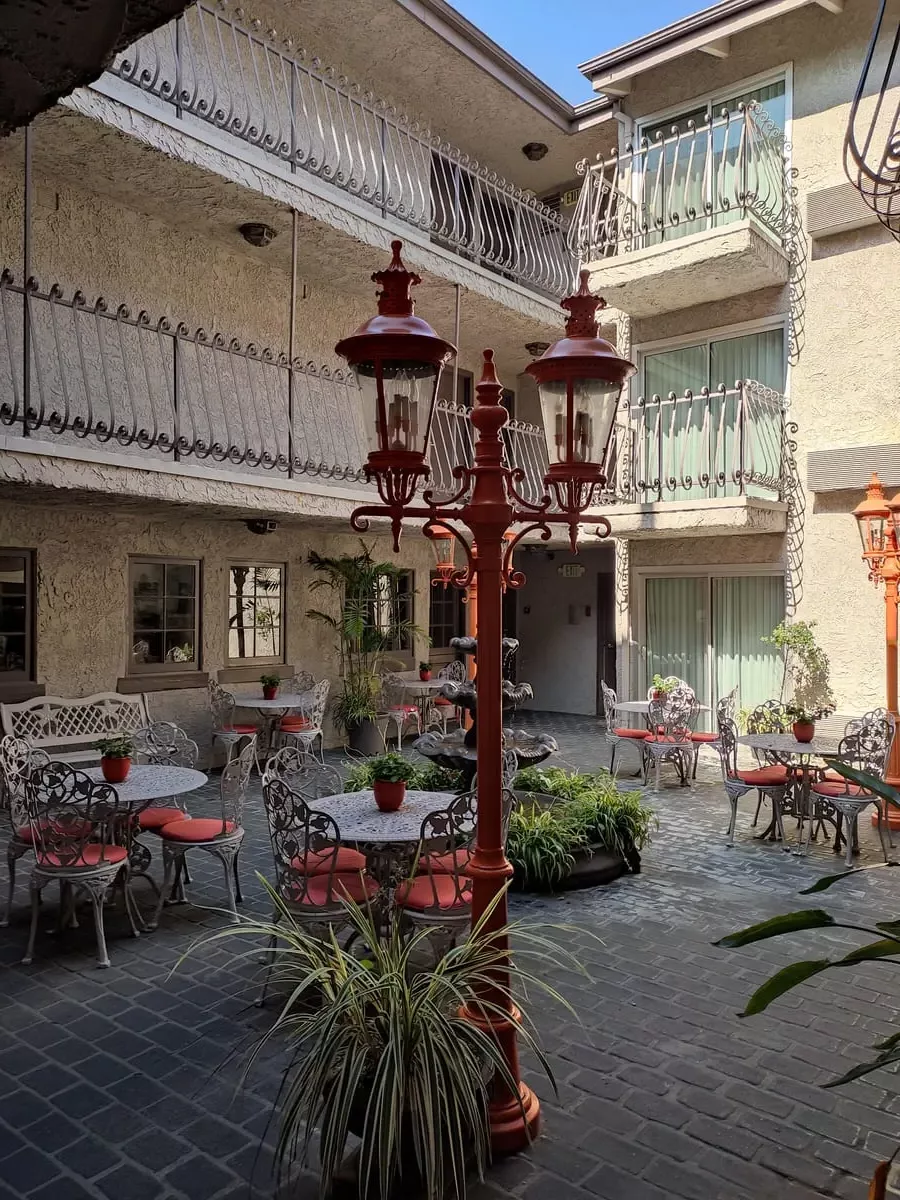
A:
458	750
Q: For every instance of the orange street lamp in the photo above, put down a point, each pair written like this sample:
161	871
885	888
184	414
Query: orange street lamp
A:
878	521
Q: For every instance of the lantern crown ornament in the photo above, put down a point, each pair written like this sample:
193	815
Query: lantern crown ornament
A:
580	380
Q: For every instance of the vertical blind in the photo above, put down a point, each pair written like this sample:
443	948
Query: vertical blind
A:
707	631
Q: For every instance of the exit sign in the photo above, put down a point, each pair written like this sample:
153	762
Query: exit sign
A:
570	197
571	570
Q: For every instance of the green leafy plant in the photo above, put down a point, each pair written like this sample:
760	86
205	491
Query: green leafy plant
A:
797	712
270	680
663	685
805	665
427	778
382	1049
884	948
391	768
540	848
424	666
366	627
120	746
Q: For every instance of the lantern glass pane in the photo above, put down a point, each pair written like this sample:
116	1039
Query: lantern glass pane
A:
409	390
594	403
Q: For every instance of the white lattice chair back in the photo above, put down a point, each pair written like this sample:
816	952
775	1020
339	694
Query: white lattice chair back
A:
165	744
455	670
57	721
221	705
17	761
314	711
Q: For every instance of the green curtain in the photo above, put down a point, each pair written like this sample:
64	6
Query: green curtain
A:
758	356
678	631
746	609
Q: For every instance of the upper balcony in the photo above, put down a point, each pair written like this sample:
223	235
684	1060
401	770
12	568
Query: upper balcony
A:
149	409
220	78
700	213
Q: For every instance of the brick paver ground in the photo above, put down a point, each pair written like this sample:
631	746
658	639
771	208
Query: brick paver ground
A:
120	1084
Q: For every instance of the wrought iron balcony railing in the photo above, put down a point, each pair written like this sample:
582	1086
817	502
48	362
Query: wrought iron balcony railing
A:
215	69
153	389
701	176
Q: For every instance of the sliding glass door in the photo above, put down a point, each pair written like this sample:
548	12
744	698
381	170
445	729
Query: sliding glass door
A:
707	629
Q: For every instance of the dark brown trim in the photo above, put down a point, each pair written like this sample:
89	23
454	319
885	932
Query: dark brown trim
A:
129	685
15	692
251	673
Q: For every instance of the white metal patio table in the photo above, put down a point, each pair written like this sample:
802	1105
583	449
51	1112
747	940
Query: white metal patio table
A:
786	750
271	712
423	691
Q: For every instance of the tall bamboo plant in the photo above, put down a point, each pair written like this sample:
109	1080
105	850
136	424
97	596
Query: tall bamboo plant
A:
366	626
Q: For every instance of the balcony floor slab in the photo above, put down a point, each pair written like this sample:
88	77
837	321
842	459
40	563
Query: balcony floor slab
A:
716	264
702	517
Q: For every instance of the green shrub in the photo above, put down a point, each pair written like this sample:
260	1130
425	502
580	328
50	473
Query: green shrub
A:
426	778
540	847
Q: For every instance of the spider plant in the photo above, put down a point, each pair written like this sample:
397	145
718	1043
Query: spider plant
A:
382	1050
540	845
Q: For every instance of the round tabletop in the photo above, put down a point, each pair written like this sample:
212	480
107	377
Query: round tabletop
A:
148	782
787	744
423	687
284	700
360	820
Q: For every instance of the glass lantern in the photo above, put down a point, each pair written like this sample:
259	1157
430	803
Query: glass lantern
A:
873	519
444	546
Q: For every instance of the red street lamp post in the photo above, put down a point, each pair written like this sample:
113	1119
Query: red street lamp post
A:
398	359
878	521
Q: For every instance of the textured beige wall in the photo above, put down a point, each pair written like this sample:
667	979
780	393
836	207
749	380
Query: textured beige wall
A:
82	556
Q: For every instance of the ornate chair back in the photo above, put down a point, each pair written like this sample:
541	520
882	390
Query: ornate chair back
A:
297	832
610	705
728	746
315	710
672	716
509	769
221	705
870	738
670	682
292	766
769	717
302	682
164	744
443	832
726	706
233	785
17	760
455	670
68	813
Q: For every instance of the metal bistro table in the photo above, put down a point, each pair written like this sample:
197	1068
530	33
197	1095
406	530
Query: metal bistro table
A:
796	756
388	840
271	712
423	691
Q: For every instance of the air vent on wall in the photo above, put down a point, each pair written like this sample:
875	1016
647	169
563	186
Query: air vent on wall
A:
835	210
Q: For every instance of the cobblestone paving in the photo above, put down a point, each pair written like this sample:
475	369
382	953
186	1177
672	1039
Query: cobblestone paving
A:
120	1084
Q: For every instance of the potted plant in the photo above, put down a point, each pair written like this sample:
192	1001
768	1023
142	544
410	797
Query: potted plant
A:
804	720
115	757
363	588
390	775
270	686
379	1046
662	686
807	670
424	671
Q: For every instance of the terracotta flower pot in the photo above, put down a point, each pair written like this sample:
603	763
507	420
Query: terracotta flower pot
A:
804	731
424	676
115	770
657	694
388	796
270	692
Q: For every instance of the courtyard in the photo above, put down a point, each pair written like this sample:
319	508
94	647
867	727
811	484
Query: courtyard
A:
122	1083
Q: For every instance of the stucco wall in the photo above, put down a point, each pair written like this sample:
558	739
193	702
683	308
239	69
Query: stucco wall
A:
82	606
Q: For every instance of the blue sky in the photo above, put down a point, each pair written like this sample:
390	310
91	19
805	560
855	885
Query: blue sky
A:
552	38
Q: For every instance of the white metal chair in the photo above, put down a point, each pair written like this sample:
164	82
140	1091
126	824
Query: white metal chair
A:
701	738
163	744
221	835
394	710
307	728
669	736
17	761
440	710
292	766
222	704
439	895
617	734
867	749
769	781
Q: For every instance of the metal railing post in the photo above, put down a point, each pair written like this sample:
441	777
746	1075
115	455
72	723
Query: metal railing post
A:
26	275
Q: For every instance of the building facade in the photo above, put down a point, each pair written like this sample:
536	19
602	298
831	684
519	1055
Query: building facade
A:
185	240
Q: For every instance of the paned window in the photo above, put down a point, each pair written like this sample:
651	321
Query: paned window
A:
17	609
164	615
391	609
256	613
447	613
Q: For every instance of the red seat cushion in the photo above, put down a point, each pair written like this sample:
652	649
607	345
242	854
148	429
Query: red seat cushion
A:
444	703
91	856
833	777
637	734
456	862
154	818
403	708
317	893
294	723
240	729
669	739
828	787
438	891
319	862
764	777
24	833
195	829
703	736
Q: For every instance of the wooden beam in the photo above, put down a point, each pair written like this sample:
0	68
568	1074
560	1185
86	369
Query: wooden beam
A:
720	48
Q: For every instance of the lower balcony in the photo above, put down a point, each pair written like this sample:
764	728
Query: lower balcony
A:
142	405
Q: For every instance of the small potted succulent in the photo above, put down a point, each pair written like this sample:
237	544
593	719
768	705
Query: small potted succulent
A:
390	775
270	686
804	720
115	757
661	687
424	671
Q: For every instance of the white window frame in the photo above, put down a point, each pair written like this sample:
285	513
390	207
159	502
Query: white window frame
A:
266	660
